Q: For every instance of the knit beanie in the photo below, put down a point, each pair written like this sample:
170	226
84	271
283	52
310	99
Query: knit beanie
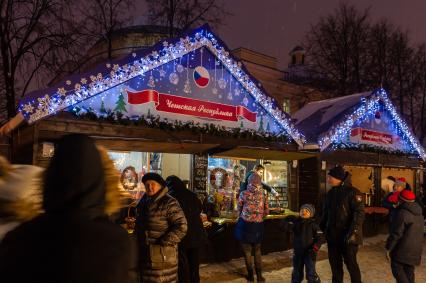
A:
407	196
154	177
401	182
309	207
337	172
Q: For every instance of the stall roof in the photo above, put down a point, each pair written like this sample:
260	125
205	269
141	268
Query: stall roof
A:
325	122
263	153
79	87
318	117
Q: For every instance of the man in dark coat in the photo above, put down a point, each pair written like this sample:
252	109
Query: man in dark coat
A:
405	241
73	240
160	221
343	216
195	236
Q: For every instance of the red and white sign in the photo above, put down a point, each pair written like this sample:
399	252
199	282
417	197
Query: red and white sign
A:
189	106
360	135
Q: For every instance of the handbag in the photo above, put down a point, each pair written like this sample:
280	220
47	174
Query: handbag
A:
162	257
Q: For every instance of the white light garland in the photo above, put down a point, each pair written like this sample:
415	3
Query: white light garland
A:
369	106
65	97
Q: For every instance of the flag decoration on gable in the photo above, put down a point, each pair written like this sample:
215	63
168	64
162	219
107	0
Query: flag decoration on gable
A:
192	79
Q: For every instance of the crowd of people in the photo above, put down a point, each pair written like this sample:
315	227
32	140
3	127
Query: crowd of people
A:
55	225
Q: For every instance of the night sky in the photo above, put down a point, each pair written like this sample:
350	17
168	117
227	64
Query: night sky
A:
274	27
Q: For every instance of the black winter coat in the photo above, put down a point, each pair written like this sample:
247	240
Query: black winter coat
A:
63	248
73	241
162	219
343	215
192	208
306	234
405	241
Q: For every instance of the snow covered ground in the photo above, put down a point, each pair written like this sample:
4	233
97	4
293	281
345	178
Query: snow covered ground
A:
277	266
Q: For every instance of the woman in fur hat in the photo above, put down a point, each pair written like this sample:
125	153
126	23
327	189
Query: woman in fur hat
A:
73	239
19	194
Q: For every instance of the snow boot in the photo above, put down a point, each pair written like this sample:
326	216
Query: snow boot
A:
259	276
250	275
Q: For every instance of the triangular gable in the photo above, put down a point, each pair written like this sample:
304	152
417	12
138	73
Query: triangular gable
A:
374	122
139	76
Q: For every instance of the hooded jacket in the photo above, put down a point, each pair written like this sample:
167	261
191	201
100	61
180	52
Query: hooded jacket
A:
253	203
191	205
73	240
405	241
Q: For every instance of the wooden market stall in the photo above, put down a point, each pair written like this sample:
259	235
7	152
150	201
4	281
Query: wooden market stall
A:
184	107
364	133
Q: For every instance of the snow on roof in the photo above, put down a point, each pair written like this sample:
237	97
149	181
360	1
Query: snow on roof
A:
317	117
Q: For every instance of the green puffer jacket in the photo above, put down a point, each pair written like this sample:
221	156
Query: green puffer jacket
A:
160	218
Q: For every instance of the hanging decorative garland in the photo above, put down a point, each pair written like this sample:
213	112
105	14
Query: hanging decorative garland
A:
156	122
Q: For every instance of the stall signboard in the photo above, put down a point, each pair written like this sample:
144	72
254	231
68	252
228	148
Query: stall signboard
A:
195	88
378	129
200	168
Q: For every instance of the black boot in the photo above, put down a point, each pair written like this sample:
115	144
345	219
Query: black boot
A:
259	276
250	275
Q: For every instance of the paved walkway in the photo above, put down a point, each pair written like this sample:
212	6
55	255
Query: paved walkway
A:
371	257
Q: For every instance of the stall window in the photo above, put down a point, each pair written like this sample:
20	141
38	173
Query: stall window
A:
362	178
407	174
132	165
286	105
276	174
225	176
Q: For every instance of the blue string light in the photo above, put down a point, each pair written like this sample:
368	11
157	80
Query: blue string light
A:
340	131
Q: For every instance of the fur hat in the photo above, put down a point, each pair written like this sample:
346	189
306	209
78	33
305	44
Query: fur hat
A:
309	207
407	196
154	177
20	190
337	172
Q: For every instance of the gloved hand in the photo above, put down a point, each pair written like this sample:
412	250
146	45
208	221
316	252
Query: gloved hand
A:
351	238
313	251
274	192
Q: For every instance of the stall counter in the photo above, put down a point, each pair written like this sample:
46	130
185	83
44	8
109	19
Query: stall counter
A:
226	220
222	245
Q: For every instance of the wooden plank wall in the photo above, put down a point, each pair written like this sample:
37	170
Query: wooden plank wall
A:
309	181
